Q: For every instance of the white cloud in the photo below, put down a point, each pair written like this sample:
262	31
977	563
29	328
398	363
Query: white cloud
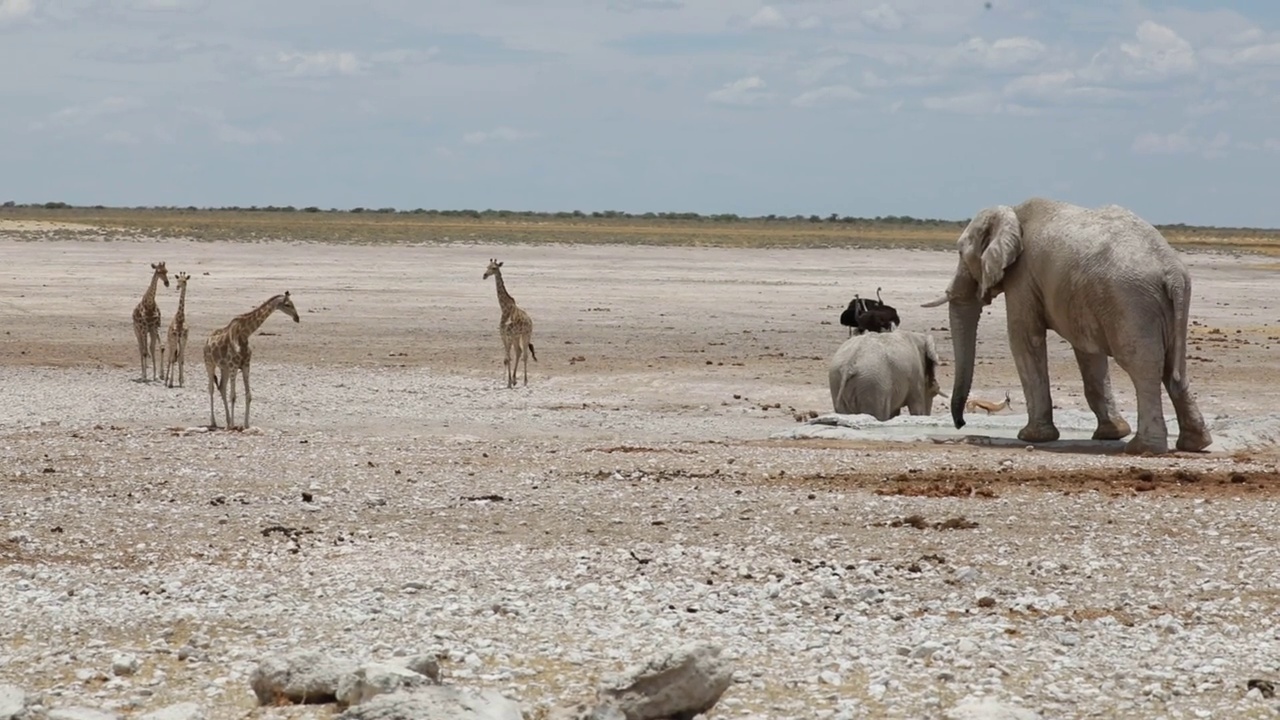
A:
872	80
1264	54
1207	107
1062	87
227	132
1271	144
1182	142
826	95
882	17
401	56
767	17
1163	144
1159	55
744	91
639	5
83	114
1003	54
14	10
168	5
321	64
1160	51
977	103
501	133
814	71
120	137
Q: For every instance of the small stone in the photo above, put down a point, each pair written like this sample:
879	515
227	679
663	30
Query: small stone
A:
124	664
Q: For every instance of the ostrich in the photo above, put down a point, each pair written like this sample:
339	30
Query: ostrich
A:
881	317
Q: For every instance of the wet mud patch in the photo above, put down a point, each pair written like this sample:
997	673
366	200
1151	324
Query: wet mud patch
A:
985	484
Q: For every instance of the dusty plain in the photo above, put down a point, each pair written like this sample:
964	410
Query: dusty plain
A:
393	496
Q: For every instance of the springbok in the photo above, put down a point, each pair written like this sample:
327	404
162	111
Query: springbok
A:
987	405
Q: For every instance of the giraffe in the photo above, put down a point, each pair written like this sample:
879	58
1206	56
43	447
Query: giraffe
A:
175	346
146	320
515	327
227	351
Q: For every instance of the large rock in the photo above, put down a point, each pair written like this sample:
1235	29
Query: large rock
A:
13	702
586	711
177	711
373	679
989	709
81	713
302	677
422	664
675	686
436	702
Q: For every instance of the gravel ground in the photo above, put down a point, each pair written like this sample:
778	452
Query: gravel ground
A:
393	497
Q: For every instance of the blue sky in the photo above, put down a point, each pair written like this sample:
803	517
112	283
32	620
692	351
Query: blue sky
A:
930	108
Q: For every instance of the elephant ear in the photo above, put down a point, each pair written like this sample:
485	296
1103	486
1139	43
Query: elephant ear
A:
989	245
930	350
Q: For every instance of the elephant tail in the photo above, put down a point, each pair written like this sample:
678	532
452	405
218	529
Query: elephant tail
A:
1175	347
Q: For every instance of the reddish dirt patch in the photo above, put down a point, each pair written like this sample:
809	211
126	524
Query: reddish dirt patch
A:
1115	482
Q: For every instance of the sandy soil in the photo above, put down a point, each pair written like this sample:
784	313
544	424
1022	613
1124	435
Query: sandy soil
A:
664	368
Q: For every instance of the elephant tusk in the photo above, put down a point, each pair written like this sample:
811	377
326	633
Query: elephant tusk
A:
935	303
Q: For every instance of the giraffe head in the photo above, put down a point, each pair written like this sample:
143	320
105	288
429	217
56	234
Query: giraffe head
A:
492	269
285	305
160	271
181	278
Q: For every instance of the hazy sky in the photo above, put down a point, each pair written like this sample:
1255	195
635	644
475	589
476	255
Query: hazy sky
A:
930	108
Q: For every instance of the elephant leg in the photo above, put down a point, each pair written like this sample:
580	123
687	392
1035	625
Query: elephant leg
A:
1031	358
1193	435
1152	435
1094	371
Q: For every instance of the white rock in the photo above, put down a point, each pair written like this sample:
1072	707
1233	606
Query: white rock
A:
13	702
124	664
374	679
81	713
989	709
301	677
436	702
684	682
177	711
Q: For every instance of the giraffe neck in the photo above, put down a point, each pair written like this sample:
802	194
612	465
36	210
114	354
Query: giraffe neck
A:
182	305
149	297
247	324
505	301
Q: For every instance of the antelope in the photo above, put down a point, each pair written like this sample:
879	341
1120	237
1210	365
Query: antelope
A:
987	405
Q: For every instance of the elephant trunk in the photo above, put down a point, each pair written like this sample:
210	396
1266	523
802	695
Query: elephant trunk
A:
964	343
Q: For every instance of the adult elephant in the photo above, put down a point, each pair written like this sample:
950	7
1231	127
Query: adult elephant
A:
1109	284
878	373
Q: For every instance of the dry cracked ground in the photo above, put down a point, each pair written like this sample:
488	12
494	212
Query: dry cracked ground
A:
394	497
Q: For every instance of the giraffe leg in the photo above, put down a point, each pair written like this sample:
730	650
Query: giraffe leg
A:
230	380
248	396
209	372
182	362
155	351
509	372
141	334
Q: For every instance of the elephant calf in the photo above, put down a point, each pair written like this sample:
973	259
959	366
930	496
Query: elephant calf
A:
878	373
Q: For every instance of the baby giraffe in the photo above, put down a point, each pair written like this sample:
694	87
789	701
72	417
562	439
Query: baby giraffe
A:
227	352
987	405
146	320
515	327
175	347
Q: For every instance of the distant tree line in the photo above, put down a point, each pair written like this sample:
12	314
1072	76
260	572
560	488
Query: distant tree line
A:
515	214
570	215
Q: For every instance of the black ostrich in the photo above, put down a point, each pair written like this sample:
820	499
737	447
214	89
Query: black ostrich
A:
869	315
